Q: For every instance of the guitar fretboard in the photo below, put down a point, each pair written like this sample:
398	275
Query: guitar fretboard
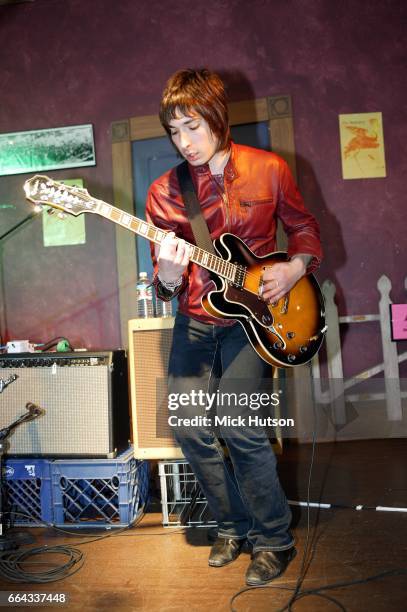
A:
225	269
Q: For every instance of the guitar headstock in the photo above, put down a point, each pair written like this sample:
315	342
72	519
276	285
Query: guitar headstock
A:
43	191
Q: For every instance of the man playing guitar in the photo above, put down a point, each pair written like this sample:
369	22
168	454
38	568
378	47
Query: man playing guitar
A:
244	191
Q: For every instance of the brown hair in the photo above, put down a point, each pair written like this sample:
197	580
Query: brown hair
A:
201	91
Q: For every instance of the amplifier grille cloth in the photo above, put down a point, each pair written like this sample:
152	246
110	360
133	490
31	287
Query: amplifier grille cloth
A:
151	354
76	404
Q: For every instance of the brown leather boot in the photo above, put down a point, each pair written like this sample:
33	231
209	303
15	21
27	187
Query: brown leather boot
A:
267	565
224	551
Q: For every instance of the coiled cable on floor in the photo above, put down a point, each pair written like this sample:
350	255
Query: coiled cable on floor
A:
14	564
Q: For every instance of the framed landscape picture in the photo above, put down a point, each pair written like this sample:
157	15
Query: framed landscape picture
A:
50	149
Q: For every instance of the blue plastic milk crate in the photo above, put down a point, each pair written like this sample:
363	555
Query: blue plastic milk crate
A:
99	492
28	492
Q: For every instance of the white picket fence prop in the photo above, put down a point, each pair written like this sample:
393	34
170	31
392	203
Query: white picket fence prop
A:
337	393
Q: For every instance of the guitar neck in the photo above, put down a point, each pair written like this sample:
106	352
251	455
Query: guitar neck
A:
211	262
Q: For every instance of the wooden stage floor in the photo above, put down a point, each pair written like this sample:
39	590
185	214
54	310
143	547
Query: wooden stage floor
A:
154	569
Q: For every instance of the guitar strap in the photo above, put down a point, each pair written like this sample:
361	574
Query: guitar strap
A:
198	224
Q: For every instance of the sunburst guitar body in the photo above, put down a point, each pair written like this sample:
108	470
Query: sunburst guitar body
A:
285	334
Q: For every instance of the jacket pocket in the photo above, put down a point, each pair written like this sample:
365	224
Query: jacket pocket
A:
256	202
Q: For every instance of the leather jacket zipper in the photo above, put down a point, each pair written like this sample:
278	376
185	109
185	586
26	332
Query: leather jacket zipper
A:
222	193
226	202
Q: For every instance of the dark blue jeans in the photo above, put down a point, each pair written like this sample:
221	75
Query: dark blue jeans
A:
244	493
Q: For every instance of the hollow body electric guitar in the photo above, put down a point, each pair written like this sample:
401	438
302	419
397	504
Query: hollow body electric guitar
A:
285	334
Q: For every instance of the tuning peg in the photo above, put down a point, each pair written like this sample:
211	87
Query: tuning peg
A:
50	211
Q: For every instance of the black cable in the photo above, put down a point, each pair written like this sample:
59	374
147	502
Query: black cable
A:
11	564
285	588
317	590
297	592
96	537
304	567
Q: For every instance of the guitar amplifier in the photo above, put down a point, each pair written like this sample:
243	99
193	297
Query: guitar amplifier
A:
84	400
149	350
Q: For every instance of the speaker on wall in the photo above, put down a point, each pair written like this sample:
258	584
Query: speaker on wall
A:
84	397
149	351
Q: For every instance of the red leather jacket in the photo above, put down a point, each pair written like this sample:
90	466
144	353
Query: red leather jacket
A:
258	190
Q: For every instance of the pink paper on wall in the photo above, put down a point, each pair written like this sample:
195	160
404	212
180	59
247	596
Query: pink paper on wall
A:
399	321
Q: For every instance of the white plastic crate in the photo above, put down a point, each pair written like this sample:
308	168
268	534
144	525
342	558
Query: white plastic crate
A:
183	502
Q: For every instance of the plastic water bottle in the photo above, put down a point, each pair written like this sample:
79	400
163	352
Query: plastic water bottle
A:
164	309
145	305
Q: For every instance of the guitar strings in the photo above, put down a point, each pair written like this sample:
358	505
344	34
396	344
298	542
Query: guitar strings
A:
234	266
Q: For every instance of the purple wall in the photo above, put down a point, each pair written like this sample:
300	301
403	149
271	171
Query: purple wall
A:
74	62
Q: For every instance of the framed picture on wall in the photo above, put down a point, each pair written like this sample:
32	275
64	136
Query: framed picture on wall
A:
50	149
362	146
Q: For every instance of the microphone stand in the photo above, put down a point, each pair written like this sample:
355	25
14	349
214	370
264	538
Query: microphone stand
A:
2	237
7	542
19	224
